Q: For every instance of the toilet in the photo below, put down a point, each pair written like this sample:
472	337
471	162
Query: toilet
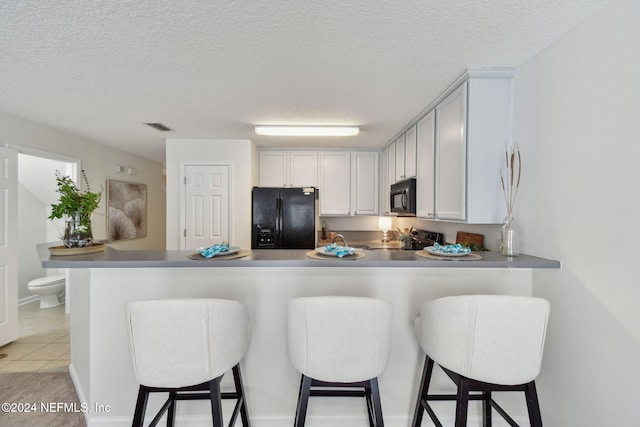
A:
50	289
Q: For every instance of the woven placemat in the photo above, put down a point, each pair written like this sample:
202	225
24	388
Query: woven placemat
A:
469	257
316	255
240	254
91	249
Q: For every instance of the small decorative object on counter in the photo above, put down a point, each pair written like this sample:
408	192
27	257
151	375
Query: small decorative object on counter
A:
406	237
213	250
384	225
510	180
76	207
510	237
451	249
339	251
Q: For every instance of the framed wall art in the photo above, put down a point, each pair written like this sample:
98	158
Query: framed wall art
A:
126	210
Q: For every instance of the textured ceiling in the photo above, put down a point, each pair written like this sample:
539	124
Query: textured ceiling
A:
213	69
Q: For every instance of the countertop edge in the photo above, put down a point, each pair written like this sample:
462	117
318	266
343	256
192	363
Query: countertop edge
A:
281	258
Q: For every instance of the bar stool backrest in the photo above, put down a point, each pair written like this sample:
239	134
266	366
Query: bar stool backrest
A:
339	339
184	342
492	338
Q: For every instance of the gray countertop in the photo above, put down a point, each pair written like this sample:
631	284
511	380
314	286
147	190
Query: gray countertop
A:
114	258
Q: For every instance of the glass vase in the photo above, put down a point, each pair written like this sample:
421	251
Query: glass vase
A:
77	231
407	243
510	237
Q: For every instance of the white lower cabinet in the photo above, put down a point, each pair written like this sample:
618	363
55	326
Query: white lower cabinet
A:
461	144
348	183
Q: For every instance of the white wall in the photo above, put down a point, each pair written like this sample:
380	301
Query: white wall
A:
32	228
99	161
577	105
240	155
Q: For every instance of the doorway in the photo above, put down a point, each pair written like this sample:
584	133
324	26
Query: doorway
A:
206	211
36	192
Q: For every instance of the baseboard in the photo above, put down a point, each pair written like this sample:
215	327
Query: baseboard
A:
79	391
28	299
258	421
311	421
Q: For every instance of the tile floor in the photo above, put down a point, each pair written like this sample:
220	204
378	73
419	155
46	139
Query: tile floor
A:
43	343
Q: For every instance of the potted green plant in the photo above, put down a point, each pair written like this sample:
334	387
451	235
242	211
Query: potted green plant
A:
405	237
76	207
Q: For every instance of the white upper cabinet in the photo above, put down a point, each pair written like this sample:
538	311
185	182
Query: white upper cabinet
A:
399	144
391	157
410	151
405	161
425	181
288	169
304	169
335	183
365	189
451	160
384	182
349	183
460	149
489	119
273	169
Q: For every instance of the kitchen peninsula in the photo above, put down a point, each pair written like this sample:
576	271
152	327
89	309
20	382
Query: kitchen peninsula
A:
101	284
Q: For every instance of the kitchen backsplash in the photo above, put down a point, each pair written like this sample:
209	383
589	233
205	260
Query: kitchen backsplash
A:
362	228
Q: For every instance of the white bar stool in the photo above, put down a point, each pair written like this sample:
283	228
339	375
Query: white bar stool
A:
484	343
184	346
337	342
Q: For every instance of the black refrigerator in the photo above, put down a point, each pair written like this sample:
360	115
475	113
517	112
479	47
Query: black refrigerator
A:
283	218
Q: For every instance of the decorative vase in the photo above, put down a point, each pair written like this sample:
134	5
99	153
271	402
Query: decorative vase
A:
510	237
77	231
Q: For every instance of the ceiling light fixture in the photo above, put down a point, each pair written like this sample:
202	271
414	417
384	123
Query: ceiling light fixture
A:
307	130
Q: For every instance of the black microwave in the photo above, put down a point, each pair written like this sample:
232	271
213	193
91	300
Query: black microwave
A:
403	197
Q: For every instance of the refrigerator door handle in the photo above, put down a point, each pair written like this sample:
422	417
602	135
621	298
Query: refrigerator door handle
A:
279	224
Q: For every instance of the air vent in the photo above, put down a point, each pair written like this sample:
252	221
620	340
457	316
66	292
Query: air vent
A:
160	127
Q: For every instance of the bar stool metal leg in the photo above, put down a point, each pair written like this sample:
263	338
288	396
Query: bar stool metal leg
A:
141	406
486	409
369	400
171	413
242	401
421	404
303	401
532	405
377	405
462	403
216	402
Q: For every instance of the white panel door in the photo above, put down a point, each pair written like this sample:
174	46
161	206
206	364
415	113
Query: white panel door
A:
207	205
451	156
8	245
